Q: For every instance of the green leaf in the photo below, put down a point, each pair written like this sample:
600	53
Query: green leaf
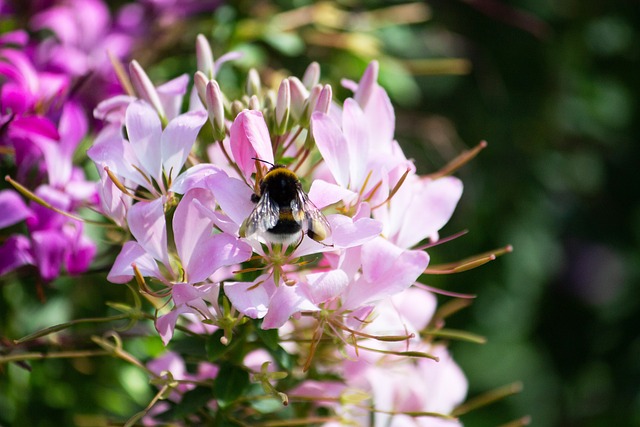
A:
215	348
267	406
230	384
282	358
286	43
269	337
192	401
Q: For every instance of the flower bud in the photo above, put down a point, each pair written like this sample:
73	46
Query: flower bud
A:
324	99
236	108
367	84
283	106
144	88
299	95
311	75
310	105
200	81
253	82
254	103
204	56
215	109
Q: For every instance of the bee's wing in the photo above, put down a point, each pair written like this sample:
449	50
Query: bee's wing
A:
264	216
315	224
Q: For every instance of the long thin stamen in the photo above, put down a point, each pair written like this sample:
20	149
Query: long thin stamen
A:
459	161
469	263
32	196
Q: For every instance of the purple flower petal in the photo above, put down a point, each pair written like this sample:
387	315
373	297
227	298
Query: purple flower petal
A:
14	253
48	248
13	208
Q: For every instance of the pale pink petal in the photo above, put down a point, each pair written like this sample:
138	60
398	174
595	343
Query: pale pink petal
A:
233	196
386	270
112	201
323	194
380	120
256	358
171	94
148	226
111	150
286	301
194	177
190	226
215	252
444	376
113	109
321	287
431	207
378	258
417	306
250	298
250	138
144	130
58	154
332	145
183	293
166	324
367	84
329	390
177	140
358	145
229	56
133	253
346	233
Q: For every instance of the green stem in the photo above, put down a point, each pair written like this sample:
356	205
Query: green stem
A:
57	355
63	326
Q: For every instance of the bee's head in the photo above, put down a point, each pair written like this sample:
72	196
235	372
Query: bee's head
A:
281	185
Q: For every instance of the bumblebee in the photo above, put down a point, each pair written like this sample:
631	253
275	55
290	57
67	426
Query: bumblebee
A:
283	212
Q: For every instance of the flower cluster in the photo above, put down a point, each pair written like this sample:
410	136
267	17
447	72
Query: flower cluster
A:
44	118
51	83
284	210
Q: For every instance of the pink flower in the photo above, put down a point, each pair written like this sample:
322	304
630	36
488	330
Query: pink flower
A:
250	139
200	253
151	155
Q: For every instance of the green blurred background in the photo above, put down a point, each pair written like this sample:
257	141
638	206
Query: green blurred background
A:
553	87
